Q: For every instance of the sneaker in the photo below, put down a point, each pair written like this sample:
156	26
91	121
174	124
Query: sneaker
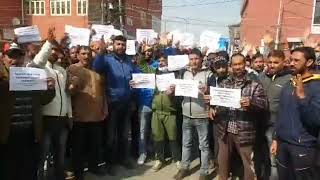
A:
182	173
178	165
157	166
69	175
203	177
142	158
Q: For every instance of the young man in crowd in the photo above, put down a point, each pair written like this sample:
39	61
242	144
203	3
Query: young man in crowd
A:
296	136
87	88
195	116
118	69
237	126
258	63
273	80
21	126
56	114
146	65
164	121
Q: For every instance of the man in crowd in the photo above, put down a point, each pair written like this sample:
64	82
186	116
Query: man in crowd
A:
164	121
258	63
273	80
195	115
89	110
237	127
118	69
21	126
56	114
296	136
146	65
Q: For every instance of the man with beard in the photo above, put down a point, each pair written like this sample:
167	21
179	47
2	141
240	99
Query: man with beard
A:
21	127
258	63
57	114
296	135
117	68
273	80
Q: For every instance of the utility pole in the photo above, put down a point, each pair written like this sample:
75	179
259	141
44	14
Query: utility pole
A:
121	16
279	26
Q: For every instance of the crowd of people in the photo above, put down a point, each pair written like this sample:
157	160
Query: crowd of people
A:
92	113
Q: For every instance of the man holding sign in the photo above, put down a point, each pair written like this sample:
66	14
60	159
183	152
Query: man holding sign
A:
237	124
21	123
195	116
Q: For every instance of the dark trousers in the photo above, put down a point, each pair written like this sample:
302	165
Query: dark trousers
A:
296	162
86	142
117	132
19	158
55	135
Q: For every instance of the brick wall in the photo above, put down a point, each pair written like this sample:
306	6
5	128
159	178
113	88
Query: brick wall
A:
8	10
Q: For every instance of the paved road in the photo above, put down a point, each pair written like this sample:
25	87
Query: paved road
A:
145	173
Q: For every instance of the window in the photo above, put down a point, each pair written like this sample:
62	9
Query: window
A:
34	7
129	21
315	28
143	18
82	7
60	7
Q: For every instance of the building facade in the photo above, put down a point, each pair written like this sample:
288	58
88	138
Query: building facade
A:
295	20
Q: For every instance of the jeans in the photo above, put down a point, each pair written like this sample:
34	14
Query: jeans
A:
86	142
55	134
19	156
117	132
145	115
201	126
274	172
296	162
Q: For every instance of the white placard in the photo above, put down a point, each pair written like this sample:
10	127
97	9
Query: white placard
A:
225	97
144	80
79	36
27	79
188	88
177	62
106	30
164	81
147	35
8	34
131	47
27	34
209	39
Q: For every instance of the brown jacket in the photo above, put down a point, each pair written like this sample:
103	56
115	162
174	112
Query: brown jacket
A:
88	94
7	106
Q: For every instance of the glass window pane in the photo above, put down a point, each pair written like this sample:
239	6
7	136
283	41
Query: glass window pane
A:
63	7
32	7
37	7
79	7
42	8
84	7
68	7
58	6
316	19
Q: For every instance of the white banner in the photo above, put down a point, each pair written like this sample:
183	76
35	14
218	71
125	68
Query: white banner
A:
225	97
27	79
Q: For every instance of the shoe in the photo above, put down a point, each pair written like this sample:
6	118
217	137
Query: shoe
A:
69	175
142	158
203	177
178	165
182	173
157	166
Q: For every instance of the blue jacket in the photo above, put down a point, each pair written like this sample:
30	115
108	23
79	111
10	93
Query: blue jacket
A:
298	120
118	72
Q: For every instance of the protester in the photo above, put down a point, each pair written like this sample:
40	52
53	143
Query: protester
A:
164	121
21	126
87	88
236	129
118	69
296	135
195	115
73	54
56	114
258	63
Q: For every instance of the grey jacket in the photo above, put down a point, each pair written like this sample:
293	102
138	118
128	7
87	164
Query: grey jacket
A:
196	107
272	86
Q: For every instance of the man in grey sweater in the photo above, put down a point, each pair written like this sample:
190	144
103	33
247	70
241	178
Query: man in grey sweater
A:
195	116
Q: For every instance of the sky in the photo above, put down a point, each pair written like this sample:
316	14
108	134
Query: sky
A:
195	16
